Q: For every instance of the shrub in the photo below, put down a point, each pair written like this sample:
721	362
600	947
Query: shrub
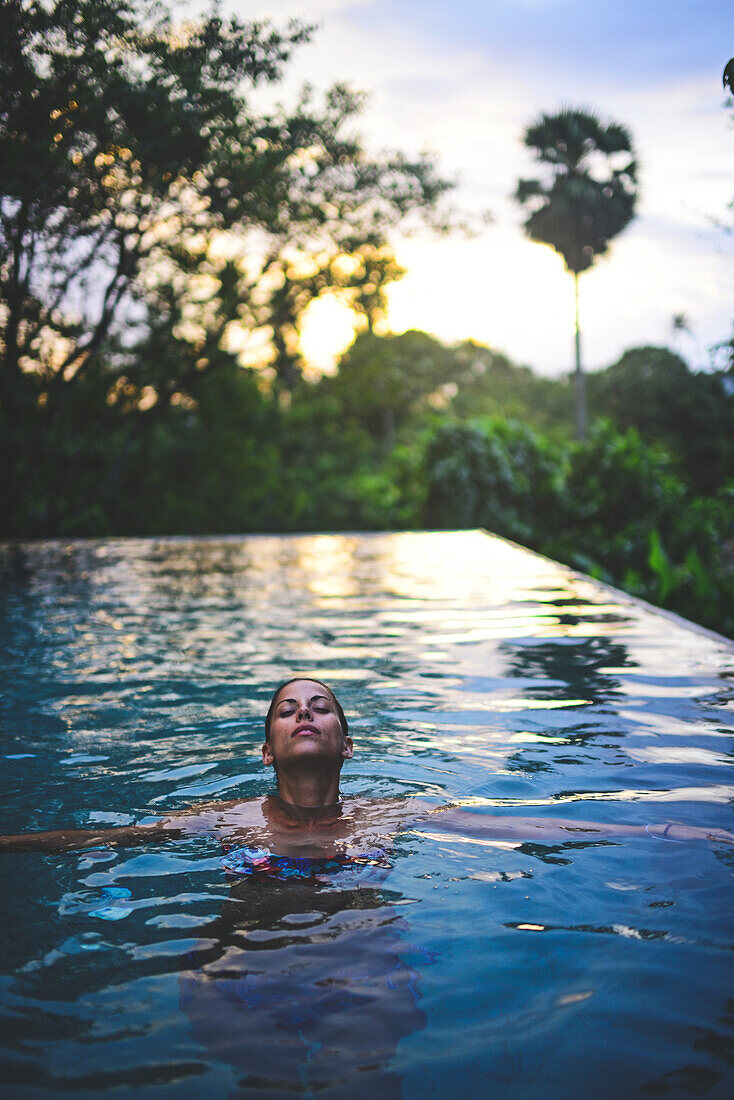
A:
505	478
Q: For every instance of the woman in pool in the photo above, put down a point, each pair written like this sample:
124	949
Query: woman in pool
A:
306	743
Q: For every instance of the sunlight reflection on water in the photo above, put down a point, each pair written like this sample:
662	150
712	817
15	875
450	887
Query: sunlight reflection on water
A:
428	636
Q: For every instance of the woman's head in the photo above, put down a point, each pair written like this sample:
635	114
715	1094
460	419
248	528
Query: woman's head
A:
307	741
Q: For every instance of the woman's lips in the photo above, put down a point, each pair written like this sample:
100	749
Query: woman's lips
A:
306	730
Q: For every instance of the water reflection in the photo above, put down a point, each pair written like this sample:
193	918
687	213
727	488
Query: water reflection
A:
581	665
302	988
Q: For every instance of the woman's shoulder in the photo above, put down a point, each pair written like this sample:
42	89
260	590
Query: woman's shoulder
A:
360	813
209	817
391	812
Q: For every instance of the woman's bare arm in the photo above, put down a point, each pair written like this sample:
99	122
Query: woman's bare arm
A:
478	826
197	819
73	840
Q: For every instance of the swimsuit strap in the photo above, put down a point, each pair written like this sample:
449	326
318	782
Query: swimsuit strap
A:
664	834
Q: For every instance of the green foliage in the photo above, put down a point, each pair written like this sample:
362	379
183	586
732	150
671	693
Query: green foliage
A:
652	390
617	491
212	469
128	142
694	573
503	477
117	133
147	210
319	461
393	387
384	380
487	383
612	506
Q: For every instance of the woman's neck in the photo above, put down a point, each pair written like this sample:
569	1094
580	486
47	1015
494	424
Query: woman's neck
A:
277	809
309	792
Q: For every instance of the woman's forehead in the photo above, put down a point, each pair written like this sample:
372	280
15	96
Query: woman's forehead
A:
309	688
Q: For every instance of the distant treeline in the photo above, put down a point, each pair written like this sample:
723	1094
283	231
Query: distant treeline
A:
410	433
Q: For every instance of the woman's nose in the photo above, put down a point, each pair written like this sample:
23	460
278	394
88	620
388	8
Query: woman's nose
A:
304	711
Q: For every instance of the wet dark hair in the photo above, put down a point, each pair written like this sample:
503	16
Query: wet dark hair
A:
294	680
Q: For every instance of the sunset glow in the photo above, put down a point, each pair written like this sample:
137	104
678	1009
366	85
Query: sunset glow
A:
464	83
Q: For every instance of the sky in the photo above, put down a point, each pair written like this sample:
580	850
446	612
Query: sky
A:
462	79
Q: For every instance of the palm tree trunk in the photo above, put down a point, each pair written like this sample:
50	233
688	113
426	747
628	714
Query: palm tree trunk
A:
579	374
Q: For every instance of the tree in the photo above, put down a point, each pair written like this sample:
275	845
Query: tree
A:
586	197
503	476
382	380
489	384
691	414
132	155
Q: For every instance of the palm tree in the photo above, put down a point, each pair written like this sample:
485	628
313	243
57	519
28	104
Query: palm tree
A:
586	197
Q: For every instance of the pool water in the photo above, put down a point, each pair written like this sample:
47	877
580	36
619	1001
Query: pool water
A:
135	674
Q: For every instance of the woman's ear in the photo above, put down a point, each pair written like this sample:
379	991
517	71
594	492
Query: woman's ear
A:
268	758
348	750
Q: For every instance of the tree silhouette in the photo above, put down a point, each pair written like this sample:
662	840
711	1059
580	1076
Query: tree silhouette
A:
153	211
585	198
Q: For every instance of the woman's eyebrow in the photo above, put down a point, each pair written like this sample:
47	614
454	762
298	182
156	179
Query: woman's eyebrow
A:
311	700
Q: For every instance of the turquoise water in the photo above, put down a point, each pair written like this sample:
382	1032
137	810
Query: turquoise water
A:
135	676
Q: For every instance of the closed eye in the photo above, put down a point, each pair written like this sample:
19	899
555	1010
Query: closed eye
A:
287	711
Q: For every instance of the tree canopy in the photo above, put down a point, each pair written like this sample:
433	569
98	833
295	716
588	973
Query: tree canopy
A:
129	142
585	197
383	379
691	413
156	219
588	188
